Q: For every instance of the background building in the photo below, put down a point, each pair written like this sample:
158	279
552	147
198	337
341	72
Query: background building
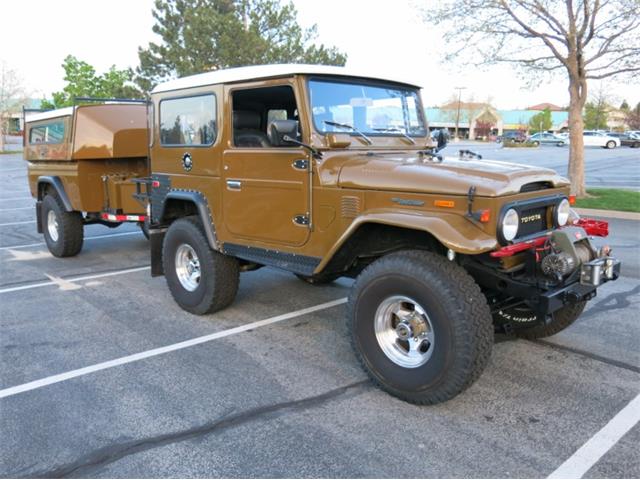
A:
478	120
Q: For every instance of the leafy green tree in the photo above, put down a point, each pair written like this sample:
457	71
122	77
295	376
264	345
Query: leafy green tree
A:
204	35
595	116
83	81
541	122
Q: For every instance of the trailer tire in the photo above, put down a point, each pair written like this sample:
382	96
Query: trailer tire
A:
144	227
63	231
200	279
433	295
560	319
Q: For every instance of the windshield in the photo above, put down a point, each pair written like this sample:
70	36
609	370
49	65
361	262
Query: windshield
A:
369	109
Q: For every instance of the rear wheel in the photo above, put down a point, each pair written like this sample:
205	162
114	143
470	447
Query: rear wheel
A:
526	324
420	326
63	231
201	280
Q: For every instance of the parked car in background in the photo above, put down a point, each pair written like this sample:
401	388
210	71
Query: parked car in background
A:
627	139
600	139
548	139
515	136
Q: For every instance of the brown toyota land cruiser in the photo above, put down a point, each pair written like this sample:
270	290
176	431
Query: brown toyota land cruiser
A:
326	174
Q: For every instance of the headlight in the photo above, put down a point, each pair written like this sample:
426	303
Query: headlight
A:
562	212
510	223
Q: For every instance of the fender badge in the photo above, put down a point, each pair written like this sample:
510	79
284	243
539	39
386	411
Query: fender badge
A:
187	163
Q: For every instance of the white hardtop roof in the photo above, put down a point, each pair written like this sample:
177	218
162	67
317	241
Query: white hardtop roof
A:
60	112
264	71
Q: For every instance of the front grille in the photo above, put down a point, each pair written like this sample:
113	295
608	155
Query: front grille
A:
532	220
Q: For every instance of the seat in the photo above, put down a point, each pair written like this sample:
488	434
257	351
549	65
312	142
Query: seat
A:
246	130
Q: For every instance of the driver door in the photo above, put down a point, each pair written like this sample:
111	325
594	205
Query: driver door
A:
266	189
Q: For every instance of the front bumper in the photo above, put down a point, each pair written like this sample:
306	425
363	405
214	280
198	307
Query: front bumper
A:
592	275
540	295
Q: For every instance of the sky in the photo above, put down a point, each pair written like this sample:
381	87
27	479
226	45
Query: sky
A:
383	37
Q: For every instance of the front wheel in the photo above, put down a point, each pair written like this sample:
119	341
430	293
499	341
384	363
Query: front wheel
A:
420	326
63	231
201	280
611	144
536	144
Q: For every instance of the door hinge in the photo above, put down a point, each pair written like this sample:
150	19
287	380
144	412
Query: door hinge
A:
301	164
302	220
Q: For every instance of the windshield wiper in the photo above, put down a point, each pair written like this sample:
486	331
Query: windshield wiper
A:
396	130
350	127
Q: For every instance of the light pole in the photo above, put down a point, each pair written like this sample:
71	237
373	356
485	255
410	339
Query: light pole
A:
458	109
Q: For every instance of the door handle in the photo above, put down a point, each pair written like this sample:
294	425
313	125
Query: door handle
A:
234	184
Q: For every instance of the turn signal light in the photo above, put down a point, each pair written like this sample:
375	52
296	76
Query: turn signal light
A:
444	203
572	199
485	216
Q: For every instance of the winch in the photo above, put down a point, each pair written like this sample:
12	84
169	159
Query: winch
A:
570	249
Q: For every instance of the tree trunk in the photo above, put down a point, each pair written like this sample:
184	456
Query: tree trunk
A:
577	98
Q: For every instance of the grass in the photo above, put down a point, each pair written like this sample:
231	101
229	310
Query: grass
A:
611	199
8	152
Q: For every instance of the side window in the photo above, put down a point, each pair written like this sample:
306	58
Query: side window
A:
254	111
48	133
188	121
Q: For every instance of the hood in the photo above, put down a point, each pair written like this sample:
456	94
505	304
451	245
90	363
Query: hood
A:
413	173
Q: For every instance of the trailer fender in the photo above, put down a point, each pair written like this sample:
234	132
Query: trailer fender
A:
57	185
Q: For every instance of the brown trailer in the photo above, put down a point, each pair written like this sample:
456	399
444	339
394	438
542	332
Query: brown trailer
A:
82	162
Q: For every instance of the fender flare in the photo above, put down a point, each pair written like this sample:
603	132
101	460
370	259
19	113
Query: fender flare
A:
453	231
200	201
57	185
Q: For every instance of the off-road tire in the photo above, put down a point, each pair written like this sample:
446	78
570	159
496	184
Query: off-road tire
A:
70	228
560	319
319	279
220	273
457	309
611	144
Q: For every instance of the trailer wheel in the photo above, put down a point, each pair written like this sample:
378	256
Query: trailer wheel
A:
201	280
144	226
560	319
420	326
63	231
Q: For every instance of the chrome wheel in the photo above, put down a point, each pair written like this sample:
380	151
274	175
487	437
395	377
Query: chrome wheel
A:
187	267
52	225
404	331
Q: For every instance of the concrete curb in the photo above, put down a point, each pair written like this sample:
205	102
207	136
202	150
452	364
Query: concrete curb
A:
593	212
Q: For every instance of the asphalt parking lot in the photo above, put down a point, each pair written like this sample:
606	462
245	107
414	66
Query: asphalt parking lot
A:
94	381
617	168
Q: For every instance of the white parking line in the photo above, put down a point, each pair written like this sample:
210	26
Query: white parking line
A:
25	387
16	247
12	209
16	223
11	199
75	279
588	455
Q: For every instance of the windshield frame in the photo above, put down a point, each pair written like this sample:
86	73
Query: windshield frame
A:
421	115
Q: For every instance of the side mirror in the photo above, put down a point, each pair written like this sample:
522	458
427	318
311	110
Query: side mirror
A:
279	129
442	140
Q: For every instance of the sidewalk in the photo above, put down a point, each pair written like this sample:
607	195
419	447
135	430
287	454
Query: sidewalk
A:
592	212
